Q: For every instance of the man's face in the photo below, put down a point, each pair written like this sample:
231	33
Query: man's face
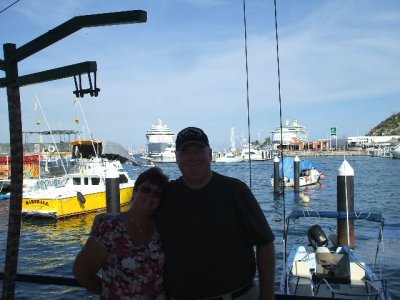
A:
194	161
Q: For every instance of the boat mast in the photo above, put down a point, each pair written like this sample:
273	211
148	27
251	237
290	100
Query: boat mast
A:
233	144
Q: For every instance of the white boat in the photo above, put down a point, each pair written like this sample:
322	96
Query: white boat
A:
159	137
310	173
292	132
395	152
36	166
325	270
166	156
82	191
253	153
230	156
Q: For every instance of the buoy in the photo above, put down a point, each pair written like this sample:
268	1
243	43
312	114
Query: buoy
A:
51	148
306	198
322	176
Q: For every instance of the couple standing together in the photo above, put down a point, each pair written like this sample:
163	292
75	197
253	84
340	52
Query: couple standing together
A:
190	238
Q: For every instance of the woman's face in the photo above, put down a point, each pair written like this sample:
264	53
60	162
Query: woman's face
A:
148	196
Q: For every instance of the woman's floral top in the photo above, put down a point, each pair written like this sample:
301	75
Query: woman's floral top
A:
131	271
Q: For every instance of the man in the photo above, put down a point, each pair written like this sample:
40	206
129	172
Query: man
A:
209	224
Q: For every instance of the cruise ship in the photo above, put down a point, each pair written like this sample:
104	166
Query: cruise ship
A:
159	137
292	132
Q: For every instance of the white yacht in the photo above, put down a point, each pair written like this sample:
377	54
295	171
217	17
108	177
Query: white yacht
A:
159	137
166	156
230	156
254	153
291	132
395	152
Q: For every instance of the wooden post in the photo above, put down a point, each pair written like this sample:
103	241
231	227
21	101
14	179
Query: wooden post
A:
276	175
14	218
345	203
296	174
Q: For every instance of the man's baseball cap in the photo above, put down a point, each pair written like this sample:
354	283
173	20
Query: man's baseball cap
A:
191	135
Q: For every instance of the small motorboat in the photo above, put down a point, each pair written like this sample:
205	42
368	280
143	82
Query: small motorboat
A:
309	172
321	268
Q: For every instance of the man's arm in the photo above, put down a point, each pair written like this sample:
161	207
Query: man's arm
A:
266	270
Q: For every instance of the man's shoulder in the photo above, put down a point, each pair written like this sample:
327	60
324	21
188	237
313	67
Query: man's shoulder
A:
219	178
175	182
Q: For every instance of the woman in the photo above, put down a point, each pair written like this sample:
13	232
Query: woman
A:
126	247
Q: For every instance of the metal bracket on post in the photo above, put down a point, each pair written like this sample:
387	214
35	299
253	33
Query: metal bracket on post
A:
92	91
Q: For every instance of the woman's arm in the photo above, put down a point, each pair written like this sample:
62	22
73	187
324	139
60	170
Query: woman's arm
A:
87	263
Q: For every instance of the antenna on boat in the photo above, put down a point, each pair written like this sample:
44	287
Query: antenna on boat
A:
247	85
37	104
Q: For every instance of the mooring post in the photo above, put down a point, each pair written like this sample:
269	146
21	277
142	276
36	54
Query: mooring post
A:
296	174
14	217
345	203
276	175
112	190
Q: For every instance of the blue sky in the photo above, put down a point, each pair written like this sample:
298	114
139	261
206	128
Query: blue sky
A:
339	63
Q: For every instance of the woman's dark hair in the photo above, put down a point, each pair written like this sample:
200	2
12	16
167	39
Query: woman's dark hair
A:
153	176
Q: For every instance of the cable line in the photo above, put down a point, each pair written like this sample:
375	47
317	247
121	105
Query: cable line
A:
3	10
247	85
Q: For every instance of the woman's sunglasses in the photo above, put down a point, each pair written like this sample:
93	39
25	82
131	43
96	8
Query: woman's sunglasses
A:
148	190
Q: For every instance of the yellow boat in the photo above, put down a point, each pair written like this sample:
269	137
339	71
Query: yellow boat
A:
80	192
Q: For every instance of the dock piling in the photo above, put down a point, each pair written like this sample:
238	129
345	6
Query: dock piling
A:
296	174
276	175
112	190
345	203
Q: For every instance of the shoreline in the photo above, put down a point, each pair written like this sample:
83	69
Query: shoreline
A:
322	153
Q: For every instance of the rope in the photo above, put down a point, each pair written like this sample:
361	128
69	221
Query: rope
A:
247	83
281	127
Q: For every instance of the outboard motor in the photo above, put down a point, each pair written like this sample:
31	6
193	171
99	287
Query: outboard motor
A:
317	237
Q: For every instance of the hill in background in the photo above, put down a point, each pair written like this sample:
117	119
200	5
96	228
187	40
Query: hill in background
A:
391	126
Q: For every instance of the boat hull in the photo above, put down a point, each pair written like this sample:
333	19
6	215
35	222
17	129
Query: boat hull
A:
303	180
395	152
228	159
66	206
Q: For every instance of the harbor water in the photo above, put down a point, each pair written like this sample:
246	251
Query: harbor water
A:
48	247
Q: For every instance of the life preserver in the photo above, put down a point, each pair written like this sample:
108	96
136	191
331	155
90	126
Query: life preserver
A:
51	148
